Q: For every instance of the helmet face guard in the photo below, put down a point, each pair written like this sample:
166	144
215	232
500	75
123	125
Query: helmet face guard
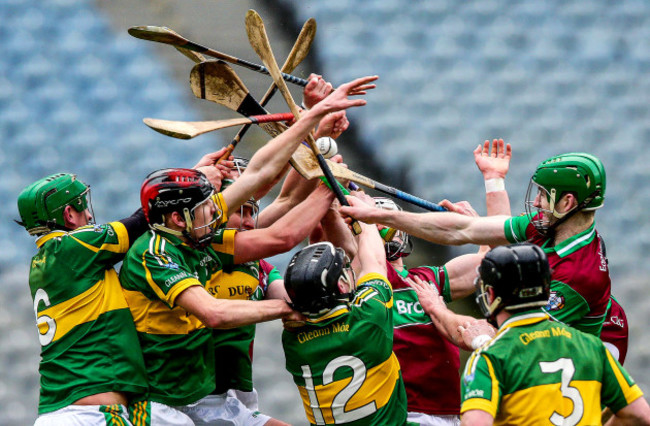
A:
312	279
42	204
254	206
519	276
183	191
578	173
240	165
400	245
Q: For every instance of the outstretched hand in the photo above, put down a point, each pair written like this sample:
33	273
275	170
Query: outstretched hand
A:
213	171
338	99
316	90
493	161
461	207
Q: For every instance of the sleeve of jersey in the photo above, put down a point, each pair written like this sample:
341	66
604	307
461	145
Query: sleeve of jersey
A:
275	275
515	228
223	244
566	304
109	241
437	275
479	385
268	274
380	284
221	205
618	388
167	275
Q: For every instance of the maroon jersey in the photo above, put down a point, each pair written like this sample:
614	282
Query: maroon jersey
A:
581	285
615	331
429	362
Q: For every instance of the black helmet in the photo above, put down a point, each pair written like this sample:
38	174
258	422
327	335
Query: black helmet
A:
177	190
312	278
519	275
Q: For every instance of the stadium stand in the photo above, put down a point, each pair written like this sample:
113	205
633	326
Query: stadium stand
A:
547	76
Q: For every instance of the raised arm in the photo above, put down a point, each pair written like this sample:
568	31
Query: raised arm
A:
494	163
285	233
370	254
269	160
448	323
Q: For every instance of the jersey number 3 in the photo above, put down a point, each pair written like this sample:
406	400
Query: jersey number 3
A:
342	398
565	365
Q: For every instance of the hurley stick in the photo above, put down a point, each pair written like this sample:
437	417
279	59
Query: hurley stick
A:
190	129
260	43
297	54
168	36
217	81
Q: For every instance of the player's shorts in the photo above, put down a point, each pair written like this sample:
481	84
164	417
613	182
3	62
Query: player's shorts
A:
433	419
149	413
86	415
223	410
249	399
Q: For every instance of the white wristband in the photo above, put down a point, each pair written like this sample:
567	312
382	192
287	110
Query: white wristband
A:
494	185
479	341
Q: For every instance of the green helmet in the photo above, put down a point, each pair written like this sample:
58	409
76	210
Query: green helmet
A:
577	172
42	203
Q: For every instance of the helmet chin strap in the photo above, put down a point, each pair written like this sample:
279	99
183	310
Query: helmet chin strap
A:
563	217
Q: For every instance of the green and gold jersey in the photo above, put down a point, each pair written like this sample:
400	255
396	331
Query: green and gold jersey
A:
343	362
233	347
88	342
177	347
536	371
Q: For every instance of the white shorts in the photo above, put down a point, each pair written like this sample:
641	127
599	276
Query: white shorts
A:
223	410
249	399
433	419
85	415
149	413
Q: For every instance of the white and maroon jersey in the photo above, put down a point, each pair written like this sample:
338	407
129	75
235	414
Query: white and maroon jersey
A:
580	286
429	362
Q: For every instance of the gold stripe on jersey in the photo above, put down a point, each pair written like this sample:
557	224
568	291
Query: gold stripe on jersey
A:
370	292
105	296
237	285
227	244
221	203
537	404
122	236
178	288
47	237
373	276
631	393
155	317
377	388
488	405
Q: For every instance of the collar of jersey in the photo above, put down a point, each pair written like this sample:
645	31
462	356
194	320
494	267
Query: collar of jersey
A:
47	237
403	273
572	244
173	239
524	318
335	312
